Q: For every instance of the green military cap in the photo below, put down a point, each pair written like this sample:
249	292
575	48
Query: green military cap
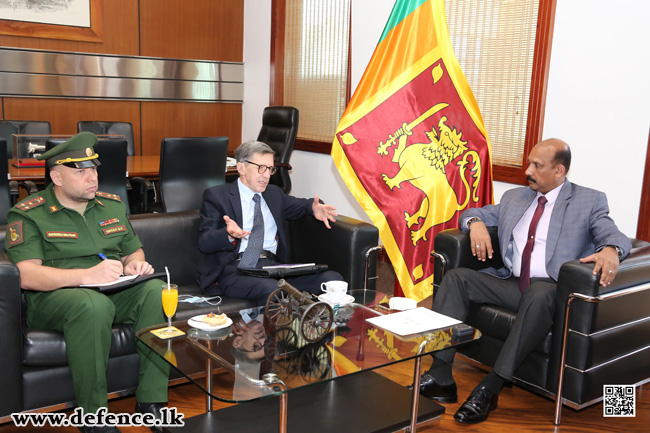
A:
77	152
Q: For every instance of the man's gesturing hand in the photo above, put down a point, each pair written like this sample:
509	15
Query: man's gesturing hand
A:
233	229
324	212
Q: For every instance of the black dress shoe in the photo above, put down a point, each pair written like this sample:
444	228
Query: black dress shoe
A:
477	407
152	408
434	391
99	429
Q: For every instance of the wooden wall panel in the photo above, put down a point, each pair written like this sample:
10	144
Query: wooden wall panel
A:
182	29
120	33
195	29
184	119
63	114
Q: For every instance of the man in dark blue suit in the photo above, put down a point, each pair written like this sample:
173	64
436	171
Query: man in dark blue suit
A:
227	215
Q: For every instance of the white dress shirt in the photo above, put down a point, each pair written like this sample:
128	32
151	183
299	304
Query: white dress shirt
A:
520	236
248	210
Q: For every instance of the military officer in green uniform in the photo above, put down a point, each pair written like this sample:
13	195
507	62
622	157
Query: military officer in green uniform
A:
57	238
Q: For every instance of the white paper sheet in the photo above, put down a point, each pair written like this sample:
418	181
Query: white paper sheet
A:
122	279
414	321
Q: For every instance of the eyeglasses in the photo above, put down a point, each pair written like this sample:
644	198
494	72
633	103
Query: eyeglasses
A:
261	169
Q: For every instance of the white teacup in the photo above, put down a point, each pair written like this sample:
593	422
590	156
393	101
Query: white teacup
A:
335	290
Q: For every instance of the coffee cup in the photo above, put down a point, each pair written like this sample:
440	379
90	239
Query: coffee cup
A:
335	290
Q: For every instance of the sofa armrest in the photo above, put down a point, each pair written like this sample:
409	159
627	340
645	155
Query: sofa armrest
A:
576	277
455	249
589	318
343	248
11	338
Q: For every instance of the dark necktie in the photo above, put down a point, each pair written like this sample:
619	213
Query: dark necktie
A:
255	239
524	278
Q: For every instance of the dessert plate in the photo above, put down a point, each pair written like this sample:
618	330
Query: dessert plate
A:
195	322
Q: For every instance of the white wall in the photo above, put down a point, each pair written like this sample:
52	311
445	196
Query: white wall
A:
598	97
257	65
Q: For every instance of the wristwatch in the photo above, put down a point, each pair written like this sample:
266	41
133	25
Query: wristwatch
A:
472	221
619	251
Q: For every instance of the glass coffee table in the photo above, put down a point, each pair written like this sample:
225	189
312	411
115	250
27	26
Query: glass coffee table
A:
312	360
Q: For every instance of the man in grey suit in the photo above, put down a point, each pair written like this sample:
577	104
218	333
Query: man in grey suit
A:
540	227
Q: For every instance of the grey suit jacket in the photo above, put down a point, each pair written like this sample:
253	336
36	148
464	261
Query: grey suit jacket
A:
580	225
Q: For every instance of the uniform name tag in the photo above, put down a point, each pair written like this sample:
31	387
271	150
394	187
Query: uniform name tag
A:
62	235
111	230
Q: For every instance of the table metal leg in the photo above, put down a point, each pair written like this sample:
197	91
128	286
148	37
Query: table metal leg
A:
208	380
283	412
415	400
272	379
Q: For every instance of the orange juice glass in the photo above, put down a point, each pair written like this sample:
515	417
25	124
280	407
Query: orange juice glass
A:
169	302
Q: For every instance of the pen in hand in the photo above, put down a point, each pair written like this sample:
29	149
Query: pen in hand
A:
103	257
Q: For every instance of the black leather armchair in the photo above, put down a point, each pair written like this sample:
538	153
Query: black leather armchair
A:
112	171
608	342
279	130
188	166
104	128
35	373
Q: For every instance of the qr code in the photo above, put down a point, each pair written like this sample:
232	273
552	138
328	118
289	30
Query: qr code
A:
619	400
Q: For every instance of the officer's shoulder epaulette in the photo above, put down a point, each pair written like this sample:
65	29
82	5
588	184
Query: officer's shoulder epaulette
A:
30	203
108	196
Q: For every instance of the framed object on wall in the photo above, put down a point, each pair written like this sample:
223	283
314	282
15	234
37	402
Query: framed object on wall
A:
76	20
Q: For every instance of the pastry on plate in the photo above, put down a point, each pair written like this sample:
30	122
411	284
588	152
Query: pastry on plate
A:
214	319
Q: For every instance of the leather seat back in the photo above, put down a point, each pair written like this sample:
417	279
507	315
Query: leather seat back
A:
188	166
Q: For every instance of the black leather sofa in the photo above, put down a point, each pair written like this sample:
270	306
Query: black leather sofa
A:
608	342
33	365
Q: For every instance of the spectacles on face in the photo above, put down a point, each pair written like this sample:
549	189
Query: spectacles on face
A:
261	169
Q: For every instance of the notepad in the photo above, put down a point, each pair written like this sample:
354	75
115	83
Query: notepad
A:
291	266
124	282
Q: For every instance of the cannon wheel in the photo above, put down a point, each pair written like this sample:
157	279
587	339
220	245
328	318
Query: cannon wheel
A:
278	308
282	341
315	363
316	321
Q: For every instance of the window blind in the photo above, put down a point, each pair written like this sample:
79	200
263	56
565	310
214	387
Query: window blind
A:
316	64
494	41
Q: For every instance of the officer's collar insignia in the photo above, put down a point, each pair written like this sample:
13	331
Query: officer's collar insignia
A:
54	208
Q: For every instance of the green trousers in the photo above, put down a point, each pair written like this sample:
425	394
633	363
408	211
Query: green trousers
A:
86	317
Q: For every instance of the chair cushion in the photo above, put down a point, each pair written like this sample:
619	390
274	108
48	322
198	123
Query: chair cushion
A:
47	348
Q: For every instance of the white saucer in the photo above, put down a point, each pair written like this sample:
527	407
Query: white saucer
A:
347	299
195	322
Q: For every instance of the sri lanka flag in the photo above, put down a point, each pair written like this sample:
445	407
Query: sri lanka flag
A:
411	145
